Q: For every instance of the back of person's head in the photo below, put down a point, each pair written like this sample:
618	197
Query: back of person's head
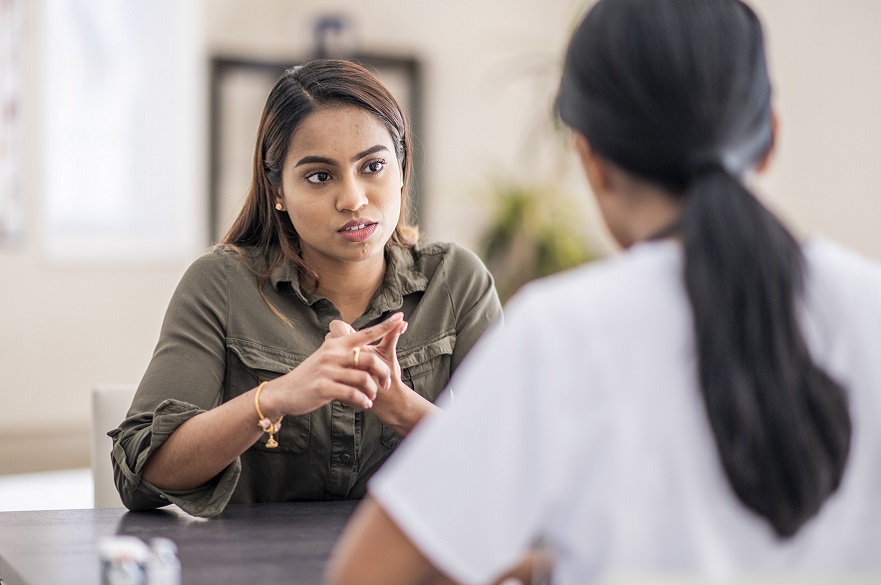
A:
677	93
300	91
669	89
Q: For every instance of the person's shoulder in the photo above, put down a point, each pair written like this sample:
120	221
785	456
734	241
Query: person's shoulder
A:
446	250
456	261
825	256
634	272
842	276
213	259
218	261
629	287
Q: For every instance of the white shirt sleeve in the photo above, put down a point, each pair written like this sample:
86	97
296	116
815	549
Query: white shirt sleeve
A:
469	485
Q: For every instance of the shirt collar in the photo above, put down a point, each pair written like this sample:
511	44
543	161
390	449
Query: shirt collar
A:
402	277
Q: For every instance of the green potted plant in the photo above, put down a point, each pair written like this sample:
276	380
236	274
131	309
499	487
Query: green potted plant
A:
535	231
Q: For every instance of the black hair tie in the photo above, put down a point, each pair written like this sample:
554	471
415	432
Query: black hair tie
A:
706	167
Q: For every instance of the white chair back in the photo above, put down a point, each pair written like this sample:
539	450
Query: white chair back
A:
110	403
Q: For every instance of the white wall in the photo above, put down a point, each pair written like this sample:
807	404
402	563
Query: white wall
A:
490	70
66	326
826	64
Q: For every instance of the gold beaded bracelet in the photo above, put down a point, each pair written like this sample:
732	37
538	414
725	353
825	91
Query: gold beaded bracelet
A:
264	423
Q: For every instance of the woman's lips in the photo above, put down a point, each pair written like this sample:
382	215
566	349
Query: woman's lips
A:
358	231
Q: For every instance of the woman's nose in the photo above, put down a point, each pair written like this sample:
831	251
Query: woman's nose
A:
352	196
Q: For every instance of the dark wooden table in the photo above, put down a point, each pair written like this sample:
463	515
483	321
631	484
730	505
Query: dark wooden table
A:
247	544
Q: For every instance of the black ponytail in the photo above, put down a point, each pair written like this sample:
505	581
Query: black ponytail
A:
781	425
677	92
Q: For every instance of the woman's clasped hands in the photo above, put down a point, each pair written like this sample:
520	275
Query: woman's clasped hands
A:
395	403
347	367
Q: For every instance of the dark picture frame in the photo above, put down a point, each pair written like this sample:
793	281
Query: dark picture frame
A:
238	90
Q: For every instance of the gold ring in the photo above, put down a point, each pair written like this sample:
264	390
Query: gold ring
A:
357	352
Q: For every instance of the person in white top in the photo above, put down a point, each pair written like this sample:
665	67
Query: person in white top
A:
707	404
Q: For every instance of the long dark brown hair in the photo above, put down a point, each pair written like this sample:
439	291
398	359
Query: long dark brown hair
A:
299	92
677	92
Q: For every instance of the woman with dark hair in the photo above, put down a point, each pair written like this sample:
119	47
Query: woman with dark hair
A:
705	404
296	354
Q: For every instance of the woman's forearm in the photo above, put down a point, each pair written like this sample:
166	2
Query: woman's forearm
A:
204	445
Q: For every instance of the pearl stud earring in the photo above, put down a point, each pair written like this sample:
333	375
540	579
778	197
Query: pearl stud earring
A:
279	206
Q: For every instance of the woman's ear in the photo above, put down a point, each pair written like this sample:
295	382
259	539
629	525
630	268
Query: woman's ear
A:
765	161
594	166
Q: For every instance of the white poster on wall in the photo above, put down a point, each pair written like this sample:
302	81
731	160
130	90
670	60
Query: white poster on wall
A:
12	205
120	87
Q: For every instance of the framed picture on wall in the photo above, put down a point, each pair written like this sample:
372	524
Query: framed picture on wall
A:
238	91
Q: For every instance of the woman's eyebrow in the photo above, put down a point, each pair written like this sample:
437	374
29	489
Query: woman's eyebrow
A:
329	161
369	151
316	159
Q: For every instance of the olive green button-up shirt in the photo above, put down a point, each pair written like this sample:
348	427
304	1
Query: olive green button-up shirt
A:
220	339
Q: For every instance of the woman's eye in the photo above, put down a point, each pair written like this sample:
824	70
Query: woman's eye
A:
319	177
375	166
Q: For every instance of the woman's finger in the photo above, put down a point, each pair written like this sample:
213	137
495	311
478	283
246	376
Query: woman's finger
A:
369	362
374	333
360	380
388	345
339	329
348	395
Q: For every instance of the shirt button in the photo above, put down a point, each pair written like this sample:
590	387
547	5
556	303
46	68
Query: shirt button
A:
345	458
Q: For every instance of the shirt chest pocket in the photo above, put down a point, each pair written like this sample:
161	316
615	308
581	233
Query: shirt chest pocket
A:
249	364
425	369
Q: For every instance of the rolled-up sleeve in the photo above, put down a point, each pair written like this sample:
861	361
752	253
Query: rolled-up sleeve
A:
184	378
138	438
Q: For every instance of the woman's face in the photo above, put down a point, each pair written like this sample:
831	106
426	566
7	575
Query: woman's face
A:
341	187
